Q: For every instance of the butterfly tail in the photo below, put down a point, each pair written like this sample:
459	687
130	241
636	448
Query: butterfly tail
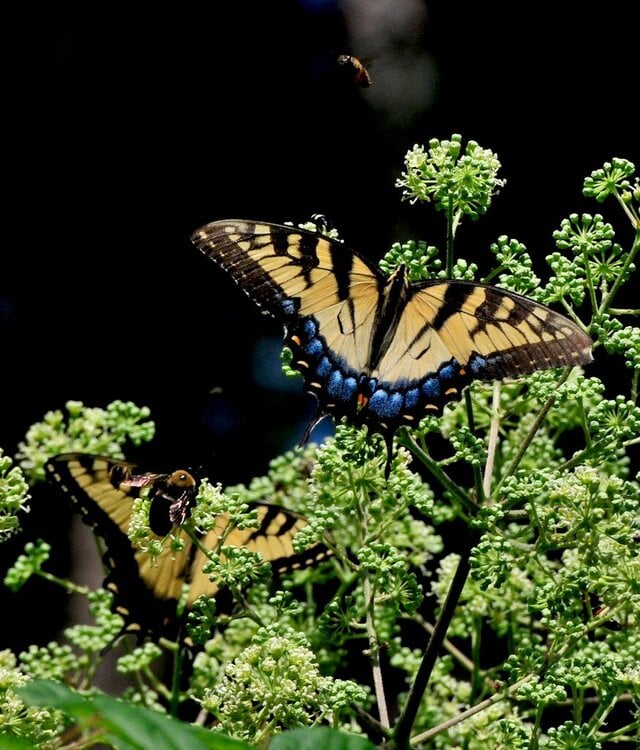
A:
388	440
319	414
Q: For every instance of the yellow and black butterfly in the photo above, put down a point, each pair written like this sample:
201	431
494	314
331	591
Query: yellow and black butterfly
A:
385	351
146	590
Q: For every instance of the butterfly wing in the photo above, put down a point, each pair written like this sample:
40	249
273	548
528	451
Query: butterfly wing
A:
452	332
380	351
145	590
499	334
273	539
328	298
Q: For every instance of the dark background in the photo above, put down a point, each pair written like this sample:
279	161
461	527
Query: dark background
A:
128	129
131	129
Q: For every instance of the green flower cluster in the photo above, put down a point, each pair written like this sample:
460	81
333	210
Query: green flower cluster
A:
522	632
275	684
29	563
14	496
40	726
451	177
86	429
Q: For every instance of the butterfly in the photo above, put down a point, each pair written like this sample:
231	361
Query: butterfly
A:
146	590
357	70
382	351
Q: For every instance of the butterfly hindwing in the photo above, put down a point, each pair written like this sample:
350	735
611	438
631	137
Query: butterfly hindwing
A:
146	590
144	594
273	539
385	351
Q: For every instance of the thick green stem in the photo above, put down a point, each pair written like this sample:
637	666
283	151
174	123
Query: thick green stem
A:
608	298
450	234
444	479
477	476
493	439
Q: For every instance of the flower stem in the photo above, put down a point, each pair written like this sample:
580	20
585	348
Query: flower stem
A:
402	729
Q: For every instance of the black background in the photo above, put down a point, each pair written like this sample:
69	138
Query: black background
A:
128	128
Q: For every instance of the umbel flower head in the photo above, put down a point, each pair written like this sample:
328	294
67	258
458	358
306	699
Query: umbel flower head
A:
275	684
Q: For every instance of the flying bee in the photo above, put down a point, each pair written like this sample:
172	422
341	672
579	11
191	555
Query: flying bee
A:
357	70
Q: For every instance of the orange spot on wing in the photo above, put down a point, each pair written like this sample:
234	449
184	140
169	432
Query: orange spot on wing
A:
362	400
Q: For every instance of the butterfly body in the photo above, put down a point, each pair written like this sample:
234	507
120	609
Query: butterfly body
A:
385	351
147	590
372	390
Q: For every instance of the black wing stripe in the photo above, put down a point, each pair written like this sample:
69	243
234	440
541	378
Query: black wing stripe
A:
145	590
385	352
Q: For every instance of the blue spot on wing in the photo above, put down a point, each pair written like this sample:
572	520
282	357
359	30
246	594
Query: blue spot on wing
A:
309	328
362	398
477	364
289	307
349	389
411	399
314	348
334	384
385	405
448	372
432	388
324	368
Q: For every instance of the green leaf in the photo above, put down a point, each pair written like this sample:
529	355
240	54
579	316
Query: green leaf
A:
319	738
128	727
15	743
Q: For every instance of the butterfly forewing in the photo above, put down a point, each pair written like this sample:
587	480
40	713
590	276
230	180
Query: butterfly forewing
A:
83	476
295	275
499	333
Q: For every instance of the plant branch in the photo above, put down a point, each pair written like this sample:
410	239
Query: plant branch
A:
493	438
374	650
608	298
429	733
508	692
457	654
444	479
450	236
477	477
402	729
371	721
532	432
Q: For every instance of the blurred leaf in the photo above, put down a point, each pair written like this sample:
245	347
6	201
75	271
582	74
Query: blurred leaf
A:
15	743
319	738
128	727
